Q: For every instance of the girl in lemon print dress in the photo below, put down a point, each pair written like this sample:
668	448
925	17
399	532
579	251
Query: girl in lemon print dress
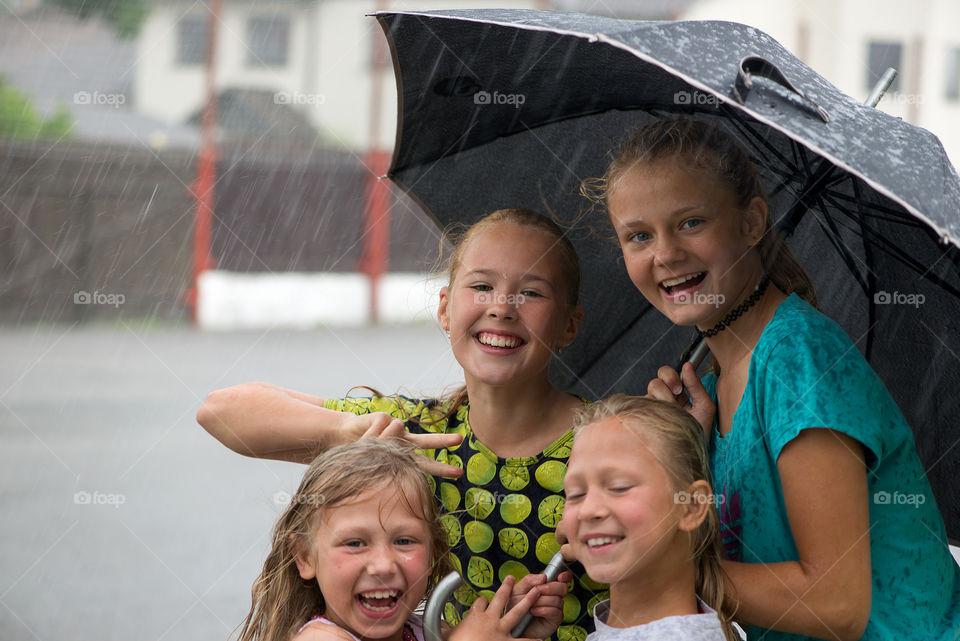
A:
497	449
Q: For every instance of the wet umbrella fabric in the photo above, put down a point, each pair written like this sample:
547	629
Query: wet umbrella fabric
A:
502	108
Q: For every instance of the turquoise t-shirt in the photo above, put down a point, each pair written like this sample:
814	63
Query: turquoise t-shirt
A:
806	373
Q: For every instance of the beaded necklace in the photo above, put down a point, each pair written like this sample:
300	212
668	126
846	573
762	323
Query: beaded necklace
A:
737	311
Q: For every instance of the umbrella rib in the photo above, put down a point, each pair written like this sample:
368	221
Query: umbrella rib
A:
833	235
895	252
761	142
890	214
871	275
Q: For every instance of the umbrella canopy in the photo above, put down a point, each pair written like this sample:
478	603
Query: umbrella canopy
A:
512	108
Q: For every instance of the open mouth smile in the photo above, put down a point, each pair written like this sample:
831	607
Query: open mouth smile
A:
499	341
681	283
379	602
601	542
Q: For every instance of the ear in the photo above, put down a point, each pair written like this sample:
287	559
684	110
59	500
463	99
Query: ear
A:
694	510
755	220
302	557
443	309
569	331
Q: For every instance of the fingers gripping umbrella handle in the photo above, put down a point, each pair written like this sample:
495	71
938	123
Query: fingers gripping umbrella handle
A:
447	585
751	66
552	571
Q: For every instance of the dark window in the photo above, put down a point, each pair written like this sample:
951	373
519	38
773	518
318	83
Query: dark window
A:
882	55
268	39
191	40
953	74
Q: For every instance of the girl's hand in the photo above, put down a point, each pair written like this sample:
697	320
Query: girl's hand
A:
548	610
382	425
668	386
484	622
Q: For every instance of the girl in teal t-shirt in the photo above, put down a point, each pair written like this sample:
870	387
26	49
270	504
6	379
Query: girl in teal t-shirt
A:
829	523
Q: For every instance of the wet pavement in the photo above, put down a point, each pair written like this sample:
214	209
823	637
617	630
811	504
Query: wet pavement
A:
120	518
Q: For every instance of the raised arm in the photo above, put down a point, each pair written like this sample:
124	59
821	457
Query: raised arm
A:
827	593
266	421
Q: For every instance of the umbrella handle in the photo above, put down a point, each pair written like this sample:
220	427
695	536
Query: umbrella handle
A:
751	66
431	614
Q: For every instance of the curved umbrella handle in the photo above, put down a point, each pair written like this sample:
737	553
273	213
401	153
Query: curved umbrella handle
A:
756	66
441	594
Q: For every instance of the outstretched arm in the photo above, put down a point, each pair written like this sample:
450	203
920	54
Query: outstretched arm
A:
266	421
827	593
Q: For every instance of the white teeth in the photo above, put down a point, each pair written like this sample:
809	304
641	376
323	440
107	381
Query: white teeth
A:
601	540
379	594
670	282
496	340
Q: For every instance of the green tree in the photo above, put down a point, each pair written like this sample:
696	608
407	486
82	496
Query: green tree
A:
125	16
20	120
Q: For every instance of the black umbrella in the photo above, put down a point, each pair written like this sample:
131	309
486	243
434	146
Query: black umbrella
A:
506	108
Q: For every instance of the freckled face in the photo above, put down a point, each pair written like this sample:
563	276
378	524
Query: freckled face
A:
371	560
686	245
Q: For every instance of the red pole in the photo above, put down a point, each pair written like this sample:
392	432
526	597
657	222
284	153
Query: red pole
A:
203	187
376	240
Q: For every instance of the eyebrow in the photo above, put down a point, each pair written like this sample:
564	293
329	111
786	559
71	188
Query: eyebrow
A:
490	273
677	212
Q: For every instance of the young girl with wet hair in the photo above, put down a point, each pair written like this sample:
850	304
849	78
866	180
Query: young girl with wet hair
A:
355	552
806	442
640	515
497	448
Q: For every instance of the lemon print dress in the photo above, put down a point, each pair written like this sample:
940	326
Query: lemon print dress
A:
500	516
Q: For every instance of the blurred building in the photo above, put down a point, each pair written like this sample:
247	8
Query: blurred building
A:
316	57
852	42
